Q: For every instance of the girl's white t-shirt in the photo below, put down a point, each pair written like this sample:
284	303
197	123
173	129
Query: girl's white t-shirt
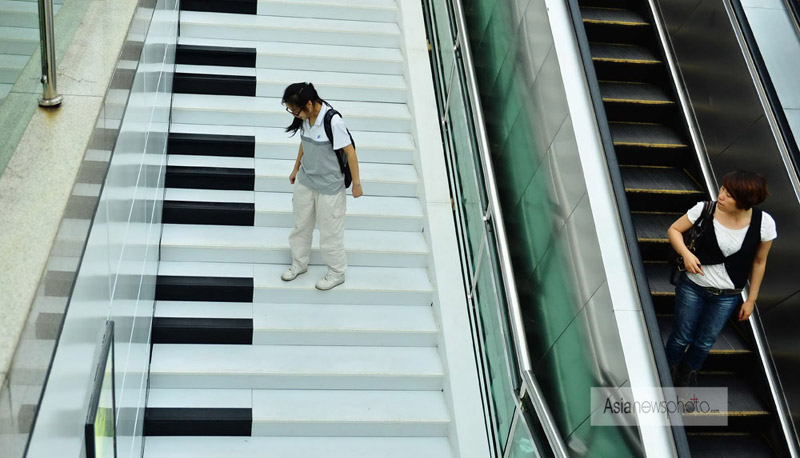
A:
730	241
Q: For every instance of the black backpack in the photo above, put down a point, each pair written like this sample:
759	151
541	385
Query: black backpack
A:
340	155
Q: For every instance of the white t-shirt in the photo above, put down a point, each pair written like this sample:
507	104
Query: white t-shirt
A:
319	167
317	131
730	241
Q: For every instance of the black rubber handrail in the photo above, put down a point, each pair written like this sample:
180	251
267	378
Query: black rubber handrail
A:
629	232
771	94
794	8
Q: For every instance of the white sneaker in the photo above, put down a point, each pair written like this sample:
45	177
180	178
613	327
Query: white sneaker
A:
329	281
292	272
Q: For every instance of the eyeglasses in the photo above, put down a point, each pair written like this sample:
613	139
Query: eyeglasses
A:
292	112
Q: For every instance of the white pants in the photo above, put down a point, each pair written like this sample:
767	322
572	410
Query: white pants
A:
327	211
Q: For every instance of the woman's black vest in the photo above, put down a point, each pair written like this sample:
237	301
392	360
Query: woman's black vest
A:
738	264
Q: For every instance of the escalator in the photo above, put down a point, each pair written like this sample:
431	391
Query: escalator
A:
663	179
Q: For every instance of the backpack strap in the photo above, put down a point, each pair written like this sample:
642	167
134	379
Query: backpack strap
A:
344	167
326	123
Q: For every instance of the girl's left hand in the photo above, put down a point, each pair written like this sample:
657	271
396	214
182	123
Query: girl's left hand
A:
357	191
746	310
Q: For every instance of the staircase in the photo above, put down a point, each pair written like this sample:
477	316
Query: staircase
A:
244	364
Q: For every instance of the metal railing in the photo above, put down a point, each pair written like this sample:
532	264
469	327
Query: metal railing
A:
50	96
528	395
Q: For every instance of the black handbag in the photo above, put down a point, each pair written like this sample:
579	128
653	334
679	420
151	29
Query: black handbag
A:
691	237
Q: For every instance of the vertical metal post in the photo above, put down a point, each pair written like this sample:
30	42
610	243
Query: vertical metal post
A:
50	97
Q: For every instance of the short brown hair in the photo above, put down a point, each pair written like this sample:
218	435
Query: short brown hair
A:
747	188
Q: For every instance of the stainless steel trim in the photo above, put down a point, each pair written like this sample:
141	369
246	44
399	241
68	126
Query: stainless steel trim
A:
792	17
542	411
50	97
449	93
515	421
683	97
477	271
774	383
506	270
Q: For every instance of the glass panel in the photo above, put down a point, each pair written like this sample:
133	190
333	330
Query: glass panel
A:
464	151
522	444
497	346
444	37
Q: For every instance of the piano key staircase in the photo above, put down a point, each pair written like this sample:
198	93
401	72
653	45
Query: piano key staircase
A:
244	364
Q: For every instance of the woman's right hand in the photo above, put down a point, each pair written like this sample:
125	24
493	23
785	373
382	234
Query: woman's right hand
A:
692	264
293	176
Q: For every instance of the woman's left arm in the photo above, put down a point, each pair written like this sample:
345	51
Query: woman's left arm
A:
352	161
756	275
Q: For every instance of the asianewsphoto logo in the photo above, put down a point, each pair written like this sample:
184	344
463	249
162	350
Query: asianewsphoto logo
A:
651	406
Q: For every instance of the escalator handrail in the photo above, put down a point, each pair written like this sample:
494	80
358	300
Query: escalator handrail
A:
794	10
494	211
637	265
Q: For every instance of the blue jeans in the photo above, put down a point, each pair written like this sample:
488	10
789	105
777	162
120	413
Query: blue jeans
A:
699	318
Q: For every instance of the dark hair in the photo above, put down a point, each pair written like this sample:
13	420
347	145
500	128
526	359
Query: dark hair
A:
747	188
298	95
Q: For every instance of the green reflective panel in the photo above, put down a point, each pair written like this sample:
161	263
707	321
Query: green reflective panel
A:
591	441
444	37
522	445
467	168
477	14
496	346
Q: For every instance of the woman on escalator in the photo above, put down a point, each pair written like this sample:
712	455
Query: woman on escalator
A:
326	161
729	251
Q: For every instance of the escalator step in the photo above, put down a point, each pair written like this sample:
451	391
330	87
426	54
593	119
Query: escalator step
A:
746	411
613	25
635	101
211	145
729	445
651	232
595	15
210	178
730	352
624	62
198	422
665	189
622	53
220	213
658	278
643	93
608	4
645	135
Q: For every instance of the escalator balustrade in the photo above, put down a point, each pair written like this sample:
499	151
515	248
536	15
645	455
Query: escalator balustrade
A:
662	180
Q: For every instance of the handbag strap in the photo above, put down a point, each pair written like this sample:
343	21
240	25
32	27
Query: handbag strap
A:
700	223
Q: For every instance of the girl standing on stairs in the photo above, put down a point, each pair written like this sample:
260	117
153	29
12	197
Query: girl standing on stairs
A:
732	249
319	184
